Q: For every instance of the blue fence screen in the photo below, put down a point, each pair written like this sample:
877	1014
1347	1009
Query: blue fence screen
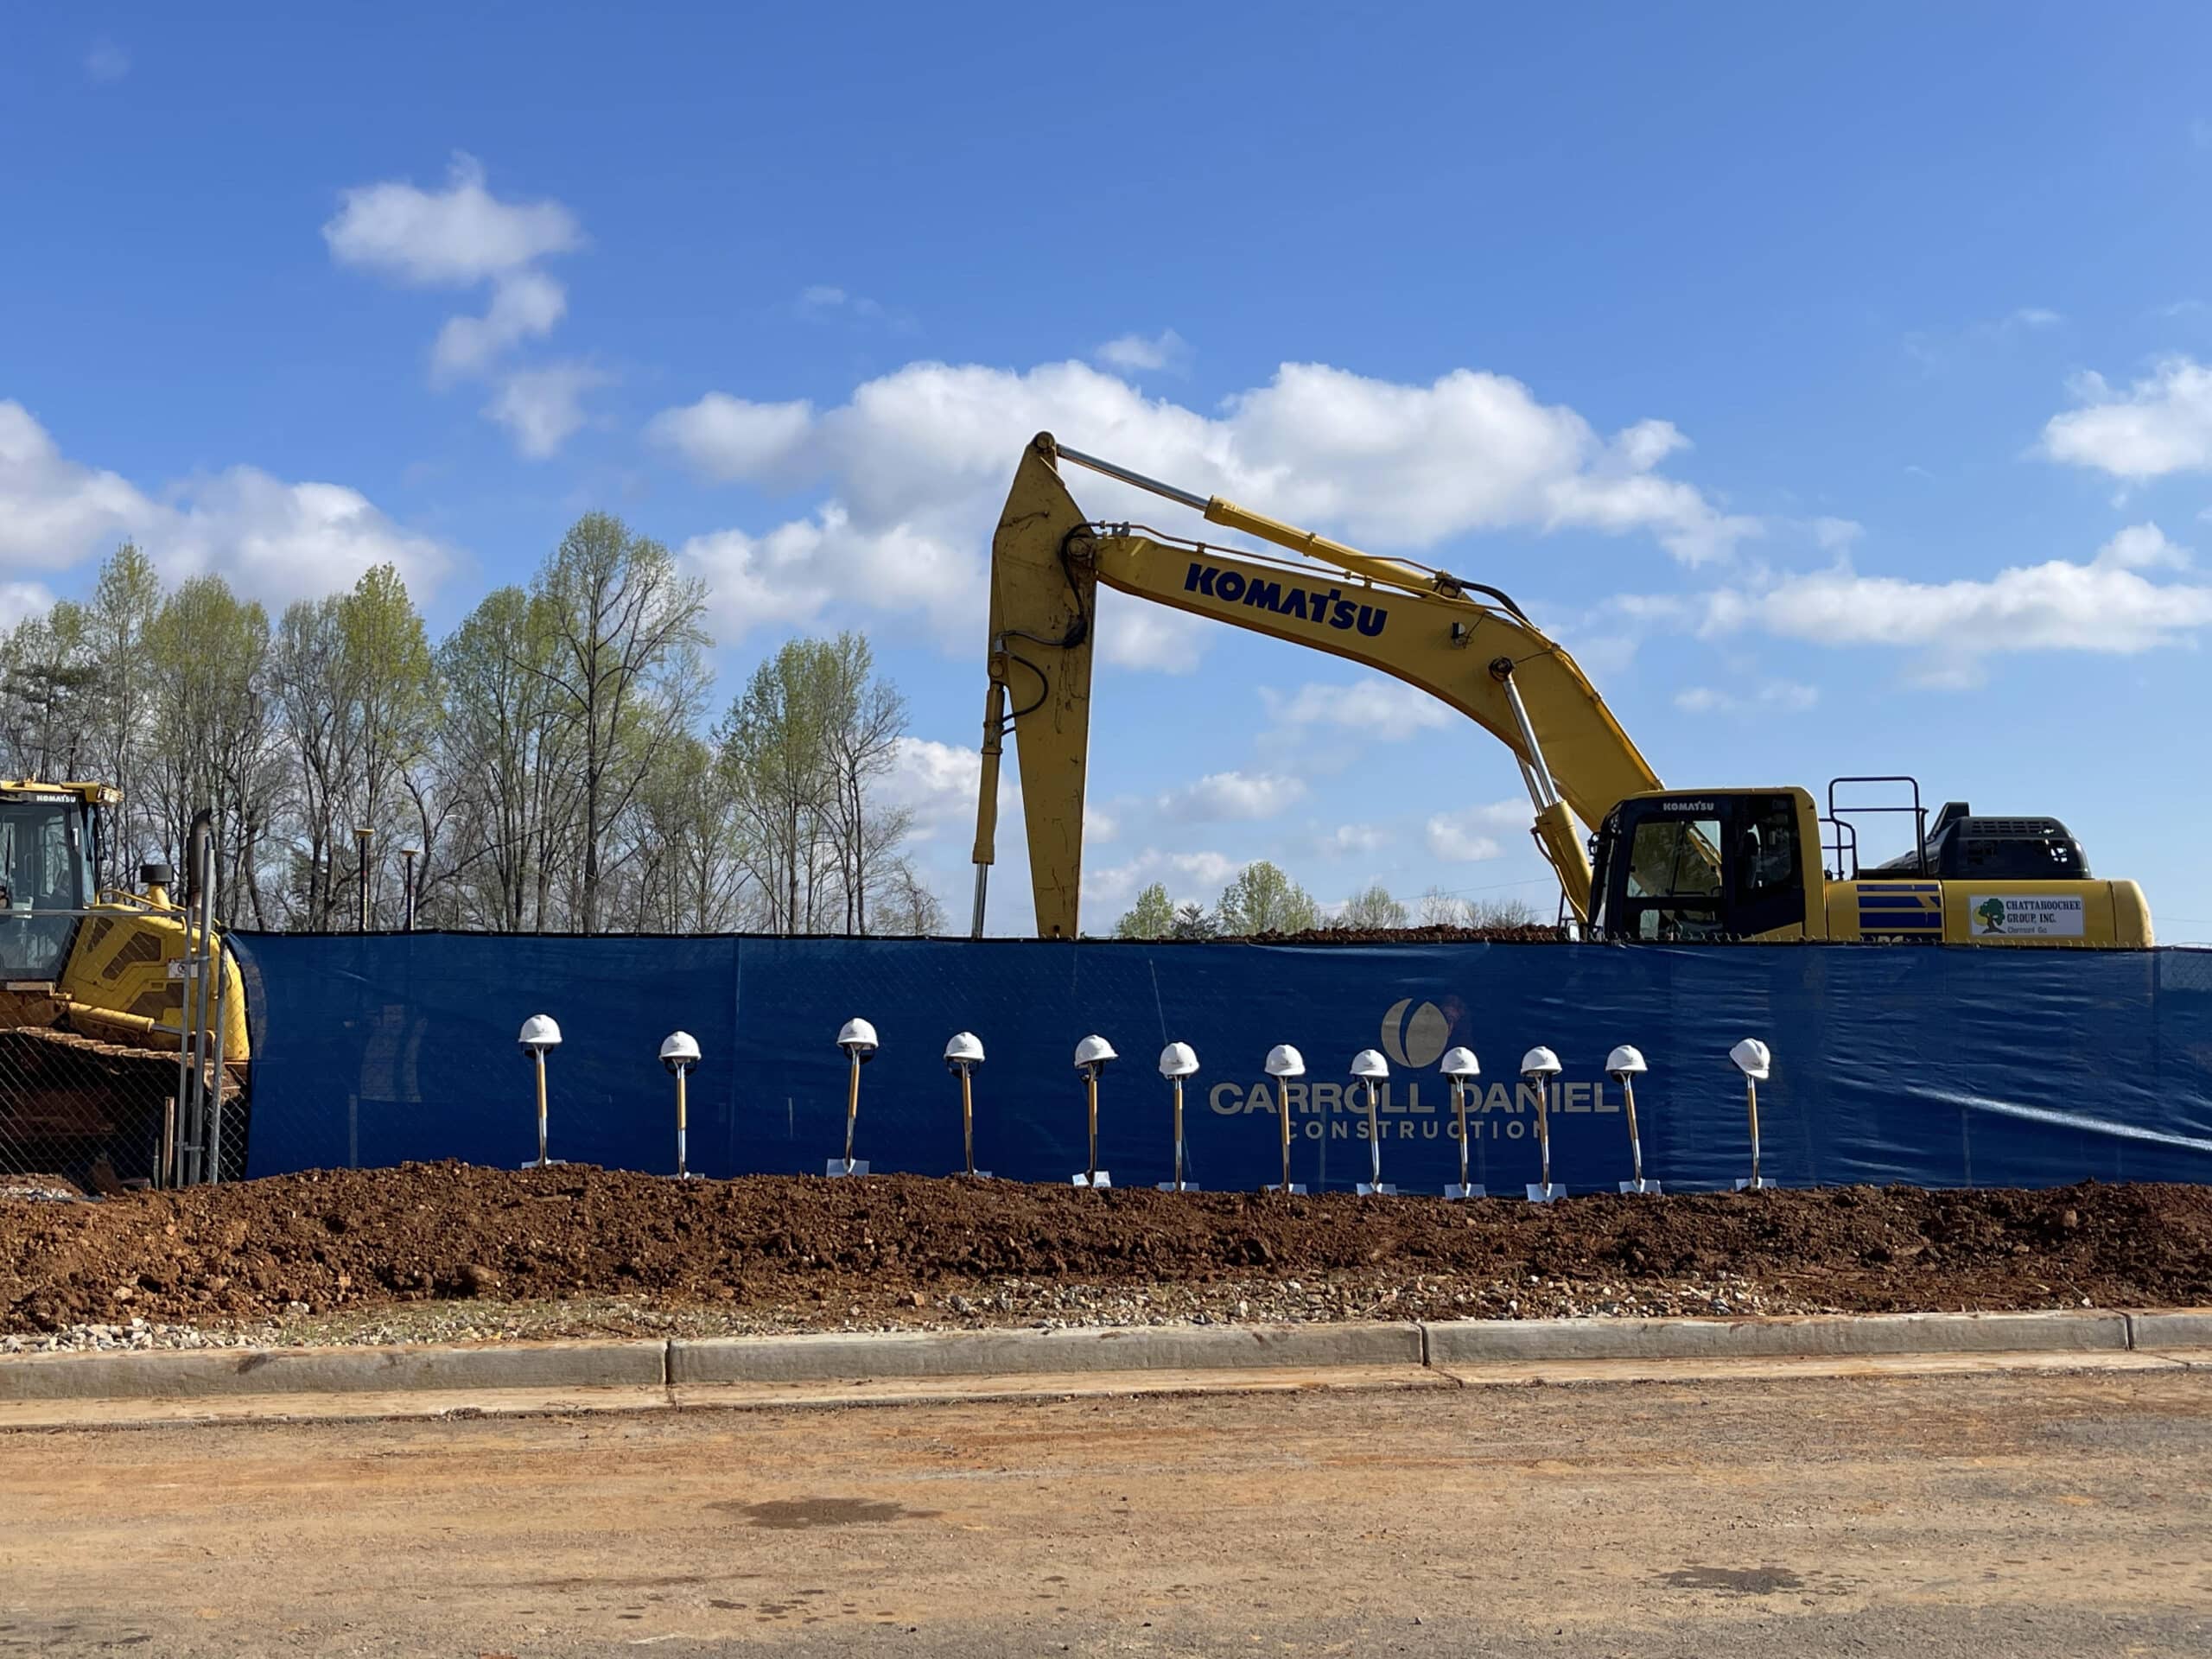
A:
1937	1067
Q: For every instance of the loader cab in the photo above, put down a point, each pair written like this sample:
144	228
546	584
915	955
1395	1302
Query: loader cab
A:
1716	864
47	847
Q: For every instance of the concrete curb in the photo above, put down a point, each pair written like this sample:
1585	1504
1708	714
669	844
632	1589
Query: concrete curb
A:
330	1370
833	1356
1474	1341
1002	1353
2179	1327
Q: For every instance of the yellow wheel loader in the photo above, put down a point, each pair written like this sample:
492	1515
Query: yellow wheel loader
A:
119	1058
1635	861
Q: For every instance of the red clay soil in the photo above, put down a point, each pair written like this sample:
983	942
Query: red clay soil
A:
1514	933
340	1240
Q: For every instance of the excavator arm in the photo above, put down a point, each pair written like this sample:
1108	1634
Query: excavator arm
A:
1479	655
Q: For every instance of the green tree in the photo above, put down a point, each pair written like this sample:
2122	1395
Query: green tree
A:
1501	912
126	598
1440	909
308	671
503	769
214	737
393	682
1372	907
1262	899
1193	921
774	747
1152	916
908	909
49	687
625	671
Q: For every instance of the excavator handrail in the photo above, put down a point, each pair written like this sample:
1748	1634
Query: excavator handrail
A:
1305	543
1457	594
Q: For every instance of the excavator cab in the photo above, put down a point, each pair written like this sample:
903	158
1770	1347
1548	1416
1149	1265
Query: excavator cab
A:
1715	864
48	844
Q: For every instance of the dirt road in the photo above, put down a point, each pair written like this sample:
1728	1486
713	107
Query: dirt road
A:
2023	1515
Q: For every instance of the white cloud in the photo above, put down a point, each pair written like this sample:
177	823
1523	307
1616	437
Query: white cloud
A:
2106	605
106	63
1098	825
728	438
1232	795
918	459
54	511
1350	838
19	600
541	407
2161	424
461	237
1136	353
937	783
525	306
821	301
1133	634
1834	535
796	571
1382	710
1450	839
1783	696
451	238
272	540
1190	877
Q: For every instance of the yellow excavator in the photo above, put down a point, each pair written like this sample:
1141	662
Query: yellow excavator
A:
113	1043
1663	864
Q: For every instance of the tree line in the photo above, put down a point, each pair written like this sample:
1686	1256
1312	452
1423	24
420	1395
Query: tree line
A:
1262	899
551	762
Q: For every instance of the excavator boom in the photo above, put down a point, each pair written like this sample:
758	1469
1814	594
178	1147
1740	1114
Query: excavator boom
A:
1421	626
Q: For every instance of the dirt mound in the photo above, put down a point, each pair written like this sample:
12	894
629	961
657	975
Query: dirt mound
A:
346	1239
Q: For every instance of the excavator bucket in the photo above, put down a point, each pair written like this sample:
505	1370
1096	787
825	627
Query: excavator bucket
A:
1043	608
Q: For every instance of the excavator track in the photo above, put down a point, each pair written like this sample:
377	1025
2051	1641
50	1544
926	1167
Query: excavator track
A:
96	1111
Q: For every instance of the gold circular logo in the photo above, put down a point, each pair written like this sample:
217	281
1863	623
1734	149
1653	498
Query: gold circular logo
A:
1419	1041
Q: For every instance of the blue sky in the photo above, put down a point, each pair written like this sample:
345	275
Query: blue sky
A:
1839	387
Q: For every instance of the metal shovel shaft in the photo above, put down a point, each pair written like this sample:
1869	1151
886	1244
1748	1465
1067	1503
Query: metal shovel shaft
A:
967	1121
1459	1109
1179	1135
1635	1145
852	1110
1091	1093
1374	1138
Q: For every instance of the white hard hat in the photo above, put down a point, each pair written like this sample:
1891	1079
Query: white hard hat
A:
1094	1050
1369	1064
679	1048
966	1047
539	1032
1625	1061
857	1037
1284	1061
1461	1062
1178	1060
1539	1063
1753	1058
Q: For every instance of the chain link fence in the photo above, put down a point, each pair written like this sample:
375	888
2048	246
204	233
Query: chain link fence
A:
83	1113
100	1117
